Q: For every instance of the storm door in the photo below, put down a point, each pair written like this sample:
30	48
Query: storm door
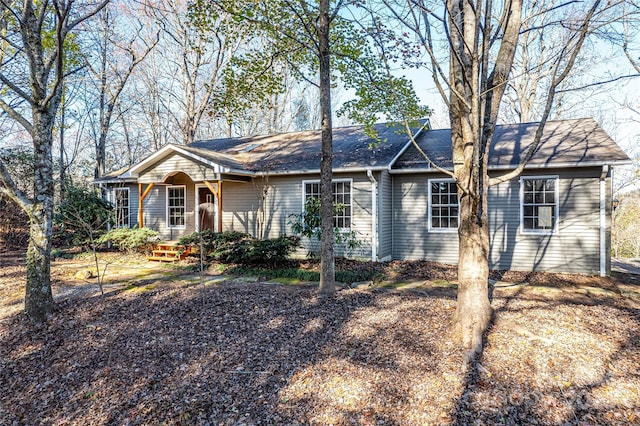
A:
206	209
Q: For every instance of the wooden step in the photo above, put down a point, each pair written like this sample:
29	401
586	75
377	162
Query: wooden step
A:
163	259
167	246
168	252
161	252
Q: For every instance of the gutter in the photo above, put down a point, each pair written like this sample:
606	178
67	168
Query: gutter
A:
507	167
603	220
317	171
374	216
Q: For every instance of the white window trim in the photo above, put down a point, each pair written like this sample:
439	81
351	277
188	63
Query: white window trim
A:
350	180
115	204
167	207
440	230
556	207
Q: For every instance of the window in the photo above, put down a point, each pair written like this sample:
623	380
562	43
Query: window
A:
341	197
443	205
539	207
176	206
121	198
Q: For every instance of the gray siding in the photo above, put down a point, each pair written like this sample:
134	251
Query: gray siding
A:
576	245
264	206
385	216
155	211
133	202
574	248
243	209
411	237
174	163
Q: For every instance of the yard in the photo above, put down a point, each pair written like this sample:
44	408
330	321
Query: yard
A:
162	348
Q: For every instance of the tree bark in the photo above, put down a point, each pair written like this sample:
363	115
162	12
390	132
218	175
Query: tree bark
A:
43	92
473	311
38	296
327	256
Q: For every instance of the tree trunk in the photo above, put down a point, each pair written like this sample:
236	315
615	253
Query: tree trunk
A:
327	257
467	109
61	162
38	301
473	311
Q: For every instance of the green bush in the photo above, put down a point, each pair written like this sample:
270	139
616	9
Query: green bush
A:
307	224
271	252
240	248
225	247
131	239
82	215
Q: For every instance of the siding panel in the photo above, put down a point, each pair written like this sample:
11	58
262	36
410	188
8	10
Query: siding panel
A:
385	219
575	248
411	237
174	163
155	212
243	209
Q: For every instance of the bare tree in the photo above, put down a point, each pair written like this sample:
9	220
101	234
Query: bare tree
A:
37	34
151	97
120	46
482	38
195	63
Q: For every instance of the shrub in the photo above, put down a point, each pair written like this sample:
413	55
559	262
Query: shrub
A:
270	252
240	248
131	239
83	215
226	247
307	224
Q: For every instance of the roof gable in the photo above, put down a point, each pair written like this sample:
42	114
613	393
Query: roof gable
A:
216	161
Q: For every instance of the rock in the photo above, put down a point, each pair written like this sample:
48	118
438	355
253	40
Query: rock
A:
84	274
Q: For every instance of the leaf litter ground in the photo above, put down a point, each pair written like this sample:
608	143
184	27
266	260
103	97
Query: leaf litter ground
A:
563	350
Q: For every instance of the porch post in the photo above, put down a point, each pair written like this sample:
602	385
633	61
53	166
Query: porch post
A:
219	206
141	197
219	197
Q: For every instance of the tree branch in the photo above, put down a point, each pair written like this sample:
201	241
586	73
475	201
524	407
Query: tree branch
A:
10	189
16	116
557	80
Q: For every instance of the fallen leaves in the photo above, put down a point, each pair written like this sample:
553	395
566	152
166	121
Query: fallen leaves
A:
257	353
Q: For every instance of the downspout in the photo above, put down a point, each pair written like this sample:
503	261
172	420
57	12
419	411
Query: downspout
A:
603	220
374	216
108	193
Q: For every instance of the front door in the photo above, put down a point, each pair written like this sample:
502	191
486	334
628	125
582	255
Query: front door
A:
206	209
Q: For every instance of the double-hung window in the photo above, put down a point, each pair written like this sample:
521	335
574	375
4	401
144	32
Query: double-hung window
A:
444	207
539	204
341	198
121	201
176	203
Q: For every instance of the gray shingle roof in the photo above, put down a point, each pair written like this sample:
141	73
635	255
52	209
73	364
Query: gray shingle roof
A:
565	142
300	151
